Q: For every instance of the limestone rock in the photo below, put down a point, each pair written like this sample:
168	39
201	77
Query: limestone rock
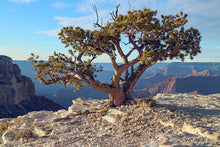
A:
40	131
200	131
8	136
166	124
3	125
82	105
113	115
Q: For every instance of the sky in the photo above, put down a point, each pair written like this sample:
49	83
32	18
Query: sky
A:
31	26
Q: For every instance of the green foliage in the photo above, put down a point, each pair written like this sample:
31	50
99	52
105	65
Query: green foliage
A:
154	39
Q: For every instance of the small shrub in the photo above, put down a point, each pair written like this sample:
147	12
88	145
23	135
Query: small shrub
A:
147	102
25	134
103	111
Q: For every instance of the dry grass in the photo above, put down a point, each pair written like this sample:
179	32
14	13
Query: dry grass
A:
102	111
25	134
146	102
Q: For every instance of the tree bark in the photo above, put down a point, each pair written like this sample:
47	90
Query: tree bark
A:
116	97
119	97
129	95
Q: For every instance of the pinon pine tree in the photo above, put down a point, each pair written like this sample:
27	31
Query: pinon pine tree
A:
139	38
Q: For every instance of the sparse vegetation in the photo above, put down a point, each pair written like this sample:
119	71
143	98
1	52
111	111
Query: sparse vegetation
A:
102	111
24	134
146	102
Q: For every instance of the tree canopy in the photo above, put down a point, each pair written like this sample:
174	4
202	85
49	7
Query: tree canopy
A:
149	38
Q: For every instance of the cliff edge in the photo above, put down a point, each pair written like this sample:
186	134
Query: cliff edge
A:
17	92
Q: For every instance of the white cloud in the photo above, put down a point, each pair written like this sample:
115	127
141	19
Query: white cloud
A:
201	8
23	1
202	14
15	53
85	22
50	33
61	5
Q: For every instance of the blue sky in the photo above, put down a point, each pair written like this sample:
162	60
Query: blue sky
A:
32	25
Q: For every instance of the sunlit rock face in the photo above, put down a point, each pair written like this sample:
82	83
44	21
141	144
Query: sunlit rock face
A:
13	86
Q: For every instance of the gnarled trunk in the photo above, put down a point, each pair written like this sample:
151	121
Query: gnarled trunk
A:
119	97
116	97
129	95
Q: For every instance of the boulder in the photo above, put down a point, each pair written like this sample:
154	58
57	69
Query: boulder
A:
8	136
3	125
81	105
113	115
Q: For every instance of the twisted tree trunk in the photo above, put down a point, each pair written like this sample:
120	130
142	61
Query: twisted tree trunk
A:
116	97
119	97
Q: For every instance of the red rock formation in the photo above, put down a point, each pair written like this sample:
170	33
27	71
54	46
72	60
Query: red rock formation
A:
199	83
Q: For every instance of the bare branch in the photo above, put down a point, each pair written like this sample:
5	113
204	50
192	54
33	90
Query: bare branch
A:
132	69
94	57
79	57
126	75
114	14
133	43
135	75
129	53
129	5
97	16
126	43
121	53
123	67
96	11
114	63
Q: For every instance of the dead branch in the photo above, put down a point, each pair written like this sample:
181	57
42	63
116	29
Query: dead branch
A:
97	16
114	14
129	5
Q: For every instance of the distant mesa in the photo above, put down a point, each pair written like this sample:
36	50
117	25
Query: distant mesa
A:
188	68
17	92
198	83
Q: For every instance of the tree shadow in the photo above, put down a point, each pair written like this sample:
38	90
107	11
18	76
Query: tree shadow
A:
191	110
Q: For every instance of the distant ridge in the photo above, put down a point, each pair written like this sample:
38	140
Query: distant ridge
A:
186	68
200	83
202	73
158	73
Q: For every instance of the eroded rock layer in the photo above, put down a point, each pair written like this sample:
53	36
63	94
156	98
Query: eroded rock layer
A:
17	92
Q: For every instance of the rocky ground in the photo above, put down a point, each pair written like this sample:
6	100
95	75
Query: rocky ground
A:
177	120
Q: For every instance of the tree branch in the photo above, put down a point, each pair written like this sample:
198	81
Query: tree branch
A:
138	72
97	17
134	44
123	67
121	53
129	53
115	14
79	57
